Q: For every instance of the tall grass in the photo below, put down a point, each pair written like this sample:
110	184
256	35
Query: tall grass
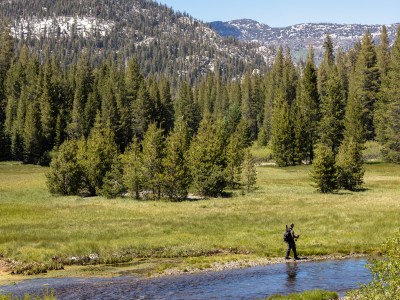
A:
36	226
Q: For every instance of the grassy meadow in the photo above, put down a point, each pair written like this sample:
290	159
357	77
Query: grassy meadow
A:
36	226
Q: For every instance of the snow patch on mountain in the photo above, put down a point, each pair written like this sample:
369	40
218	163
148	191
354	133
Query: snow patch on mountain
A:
63	25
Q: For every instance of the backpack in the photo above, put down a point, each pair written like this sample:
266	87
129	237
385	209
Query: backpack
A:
287	236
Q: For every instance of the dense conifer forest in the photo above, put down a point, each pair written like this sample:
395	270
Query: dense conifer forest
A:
109	124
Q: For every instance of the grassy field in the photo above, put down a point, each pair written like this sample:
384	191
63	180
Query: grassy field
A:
36	226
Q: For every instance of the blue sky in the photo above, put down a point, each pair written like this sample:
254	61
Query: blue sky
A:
278	13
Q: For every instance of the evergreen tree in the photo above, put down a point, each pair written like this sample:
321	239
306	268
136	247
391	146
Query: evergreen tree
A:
113	180
47	117
65	173
167	106
365	83
32	146
186	108
155	102
289	78
388	111
152	157
308	108
328	61
176	176
249	171
332	112
272	86
252	103
97	155
282	134
141	112
207	161
133	173
83	86
133	80
349	159
349	164
234	158
6	56
232	119
383	53
324	173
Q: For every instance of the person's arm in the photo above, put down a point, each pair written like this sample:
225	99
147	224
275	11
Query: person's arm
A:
295	236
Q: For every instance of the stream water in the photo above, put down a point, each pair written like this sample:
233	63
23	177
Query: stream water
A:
248	283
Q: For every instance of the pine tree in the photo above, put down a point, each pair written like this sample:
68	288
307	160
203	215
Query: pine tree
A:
207	161
331	125
140	112
133	80
388	112
349	158
308	108
167	106
65	173
349	164
186	108
152	157
112	182
272	87
176	176
289	78
155	102
252	103
6	56
365	83
383	53
282	134
249	173
328	61
234	158
97	156
47	115
324	173
83	82
32	144
133	172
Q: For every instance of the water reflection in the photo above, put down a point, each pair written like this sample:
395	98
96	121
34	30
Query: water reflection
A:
248	283
291	271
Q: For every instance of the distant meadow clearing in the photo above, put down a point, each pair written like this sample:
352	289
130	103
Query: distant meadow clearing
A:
37	227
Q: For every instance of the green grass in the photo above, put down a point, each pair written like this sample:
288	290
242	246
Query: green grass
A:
36	226
47	296
307	295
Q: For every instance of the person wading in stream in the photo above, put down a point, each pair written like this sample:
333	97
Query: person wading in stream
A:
290	240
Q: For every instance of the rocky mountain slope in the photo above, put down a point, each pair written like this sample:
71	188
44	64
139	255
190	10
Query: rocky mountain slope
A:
299	37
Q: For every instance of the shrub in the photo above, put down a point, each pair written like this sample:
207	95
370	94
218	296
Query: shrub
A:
385	283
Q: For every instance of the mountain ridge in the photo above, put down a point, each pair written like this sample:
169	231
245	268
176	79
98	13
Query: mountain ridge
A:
298	37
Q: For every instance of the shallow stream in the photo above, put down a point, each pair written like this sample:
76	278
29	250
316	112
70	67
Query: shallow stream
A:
248	283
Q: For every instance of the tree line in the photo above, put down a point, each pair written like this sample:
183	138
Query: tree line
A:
304	113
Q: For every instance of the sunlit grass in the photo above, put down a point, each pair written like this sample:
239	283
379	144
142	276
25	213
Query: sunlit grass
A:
36	226
308	295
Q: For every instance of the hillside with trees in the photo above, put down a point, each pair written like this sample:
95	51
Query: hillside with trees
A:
164	42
